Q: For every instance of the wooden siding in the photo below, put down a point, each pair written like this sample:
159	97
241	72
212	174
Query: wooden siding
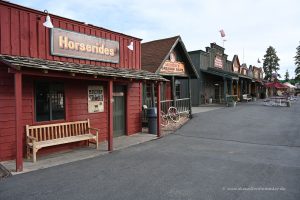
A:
22	34
76	109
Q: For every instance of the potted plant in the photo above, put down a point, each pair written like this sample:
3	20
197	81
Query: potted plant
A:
231	102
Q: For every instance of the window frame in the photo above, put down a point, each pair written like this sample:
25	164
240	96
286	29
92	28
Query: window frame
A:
50	85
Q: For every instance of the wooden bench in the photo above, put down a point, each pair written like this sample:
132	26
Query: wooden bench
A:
41	136
246	97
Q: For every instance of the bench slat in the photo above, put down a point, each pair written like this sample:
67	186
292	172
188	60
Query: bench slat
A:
58	141
39	136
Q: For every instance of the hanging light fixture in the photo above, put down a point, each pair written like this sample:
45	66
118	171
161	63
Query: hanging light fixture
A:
130	46
48	22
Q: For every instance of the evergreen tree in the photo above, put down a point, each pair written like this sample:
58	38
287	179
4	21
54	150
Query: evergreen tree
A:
287	76
270	64
297	63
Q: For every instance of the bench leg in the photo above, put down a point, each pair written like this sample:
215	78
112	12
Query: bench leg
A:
34	151
97	141
28	152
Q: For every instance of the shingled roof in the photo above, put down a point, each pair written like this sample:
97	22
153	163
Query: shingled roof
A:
155	53
27	62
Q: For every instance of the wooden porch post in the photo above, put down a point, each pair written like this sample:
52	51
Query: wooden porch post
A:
173	91
110	115
242	88
231	87
190	96
158	111
225	89
18	122
152	95
237	88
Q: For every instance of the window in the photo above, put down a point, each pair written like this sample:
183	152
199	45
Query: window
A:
49	101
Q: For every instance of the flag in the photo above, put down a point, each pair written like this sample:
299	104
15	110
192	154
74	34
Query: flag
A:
222	33
258	61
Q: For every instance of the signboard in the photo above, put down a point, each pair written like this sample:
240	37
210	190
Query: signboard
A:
218	62
235	67
95	99
175	67
77	45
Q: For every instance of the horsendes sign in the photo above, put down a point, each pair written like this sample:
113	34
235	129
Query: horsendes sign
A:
76	45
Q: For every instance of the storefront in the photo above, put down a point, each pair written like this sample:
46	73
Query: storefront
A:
169	58
74	71
257	87
216	77
243	85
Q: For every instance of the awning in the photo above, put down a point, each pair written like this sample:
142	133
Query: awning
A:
276	85
17	62
220	73
243	76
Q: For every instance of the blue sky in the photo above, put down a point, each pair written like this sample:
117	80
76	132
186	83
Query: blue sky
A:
250	25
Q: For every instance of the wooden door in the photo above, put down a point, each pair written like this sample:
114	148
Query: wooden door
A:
119	110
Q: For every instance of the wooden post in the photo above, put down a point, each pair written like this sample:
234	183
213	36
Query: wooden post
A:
190	96
231	87
158	111
18	122
173	91
237	88
241	92
110	115
225	89
152	95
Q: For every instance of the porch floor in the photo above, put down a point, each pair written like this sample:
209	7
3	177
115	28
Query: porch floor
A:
76	154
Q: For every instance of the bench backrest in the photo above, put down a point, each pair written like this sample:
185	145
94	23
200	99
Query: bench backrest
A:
59	130
246	96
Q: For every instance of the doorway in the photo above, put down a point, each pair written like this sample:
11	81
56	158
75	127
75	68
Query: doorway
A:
119	110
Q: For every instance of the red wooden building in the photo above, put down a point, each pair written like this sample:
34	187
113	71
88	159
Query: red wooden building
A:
169	58
50	75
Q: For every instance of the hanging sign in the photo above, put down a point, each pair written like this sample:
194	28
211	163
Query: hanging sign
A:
95	99
170	67
77	45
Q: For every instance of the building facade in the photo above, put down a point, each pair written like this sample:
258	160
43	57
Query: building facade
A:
75	71
220	78
169	58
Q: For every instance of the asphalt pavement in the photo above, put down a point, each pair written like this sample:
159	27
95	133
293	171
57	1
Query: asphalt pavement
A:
248	152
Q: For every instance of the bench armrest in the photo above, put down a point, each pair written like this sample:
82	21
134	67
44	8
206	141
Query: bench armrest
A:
94	129
31	138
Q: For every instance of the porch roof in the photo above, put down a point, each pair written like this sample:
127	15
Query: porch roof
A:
221	73
35	63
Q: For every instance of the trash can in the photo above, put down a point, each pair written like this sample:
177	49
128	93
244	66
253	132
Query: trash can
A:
152	120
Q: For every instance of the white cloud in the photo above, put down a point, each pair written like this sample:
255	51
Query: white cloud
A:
249	25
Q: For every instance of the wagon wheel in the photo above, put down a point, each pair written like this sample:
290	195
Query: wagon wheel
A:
164	119
174	114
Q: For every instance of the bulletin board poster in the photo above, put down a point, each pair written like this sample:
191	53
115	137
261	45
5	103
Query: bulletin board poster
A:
95	99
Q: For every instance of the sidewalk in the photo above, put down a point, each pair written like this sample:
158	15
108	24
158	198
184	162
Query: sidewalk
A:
77	154
202	109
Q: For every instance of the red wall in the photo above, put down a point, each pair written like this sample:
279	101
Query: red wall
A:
22	34
76	109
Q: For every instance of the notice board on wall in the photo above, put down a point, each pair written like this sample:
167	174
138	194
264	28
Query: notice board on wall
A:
95	99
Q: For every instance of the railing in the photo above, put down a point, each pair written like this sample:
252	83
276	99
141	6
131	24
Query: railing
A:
182	105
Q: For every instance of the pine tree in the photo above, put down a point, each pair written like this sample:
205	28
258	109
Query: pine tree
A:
287	76
270	64
297	63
